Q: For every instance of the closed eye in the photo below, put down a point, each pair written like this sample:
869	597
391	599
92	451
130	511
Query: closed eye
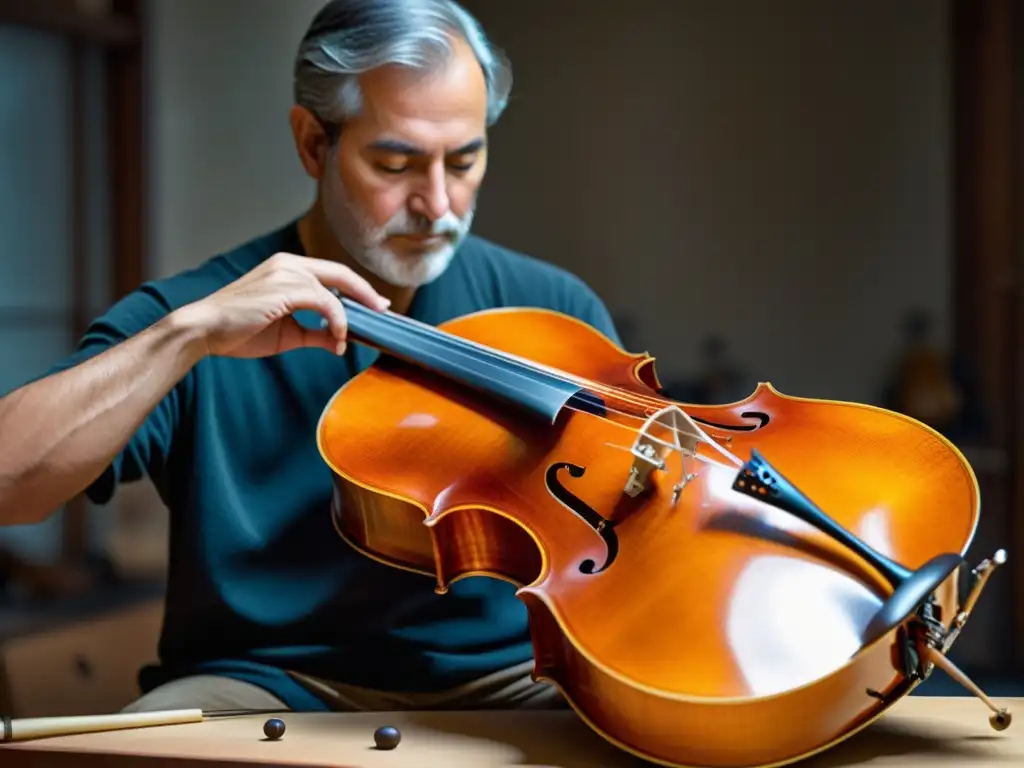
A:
462	162
396	158
396	170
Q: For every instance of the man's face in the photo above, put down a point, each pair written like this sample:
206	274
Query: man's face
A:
399	189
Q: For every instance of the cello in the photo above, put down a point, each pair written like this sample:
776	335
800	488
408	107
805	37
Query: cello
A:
719	586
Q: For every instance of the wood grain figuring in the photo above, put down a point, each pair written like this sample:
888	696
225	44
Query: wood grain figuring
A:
920	732
718	615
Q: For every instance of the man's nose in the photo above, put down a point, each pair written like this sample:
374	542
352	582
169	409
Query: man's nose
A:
431	200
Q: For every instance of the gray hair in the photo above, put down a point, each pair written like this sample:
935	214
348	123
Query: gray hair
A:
350	37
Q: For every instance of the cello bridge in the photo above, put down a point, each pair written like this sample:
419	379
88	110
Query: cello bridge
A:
667	431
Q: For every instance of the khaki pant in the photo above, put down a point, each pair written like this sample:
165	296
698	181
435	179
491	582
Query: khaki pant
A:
511	688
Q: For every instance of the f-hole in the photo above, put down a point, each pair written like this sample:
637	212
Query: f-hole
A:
603	527
762	421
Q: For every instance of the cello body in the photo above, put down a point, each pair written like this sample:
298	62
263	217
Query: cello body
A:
689	626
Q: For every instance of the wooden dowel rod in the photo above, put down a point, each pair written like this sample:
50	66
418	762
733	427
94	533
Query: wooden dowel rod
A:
26	728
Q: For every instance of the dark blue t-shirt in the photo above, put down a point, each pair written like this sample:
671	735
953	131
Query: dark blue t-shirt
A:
259	582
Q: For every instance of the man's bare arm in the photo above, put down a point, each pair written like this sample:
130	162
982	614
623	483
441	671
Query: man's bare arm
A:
58	434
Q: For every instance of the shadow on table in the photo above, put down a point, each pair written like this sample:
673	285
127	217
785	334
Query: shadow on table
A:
569	743
886	739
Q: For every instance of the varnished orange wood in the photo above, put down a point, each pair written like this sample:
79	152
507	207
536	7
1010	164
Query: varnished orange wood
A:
725	633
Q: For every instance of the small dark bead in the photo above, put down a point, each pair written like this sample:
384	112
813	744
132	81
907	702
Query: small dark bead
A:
274	728
387	737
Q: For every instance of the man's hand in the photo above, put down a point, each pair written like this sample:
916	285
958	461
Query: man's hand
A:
69	426
251	317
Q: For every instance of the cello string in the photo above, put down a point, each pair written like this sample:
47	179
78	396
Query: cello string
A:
699	438
436	334
403	322
624	395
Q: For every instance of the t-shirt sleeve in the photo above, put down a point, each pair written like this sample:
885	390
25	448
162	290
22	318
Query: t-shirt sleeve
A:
148	449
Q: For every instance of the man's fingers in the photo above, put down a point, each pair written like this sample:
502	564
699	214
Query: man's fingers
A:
321	300
335	275
334	313
294	335
324	339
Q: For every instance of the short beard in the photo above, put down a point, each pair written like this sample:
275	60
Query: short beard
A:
366	243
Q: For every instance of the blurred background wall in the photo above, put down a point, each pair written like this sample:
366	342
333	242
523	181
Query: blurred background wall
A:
774	173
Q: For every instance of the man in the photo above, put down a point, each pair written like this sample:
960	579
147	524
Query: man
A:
211	382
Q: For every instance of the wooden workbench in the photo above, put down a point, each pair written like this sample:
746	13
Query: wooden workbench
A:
920	732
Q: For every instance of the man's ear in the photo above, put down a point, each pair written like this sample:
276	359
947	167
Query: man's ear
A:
310	140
